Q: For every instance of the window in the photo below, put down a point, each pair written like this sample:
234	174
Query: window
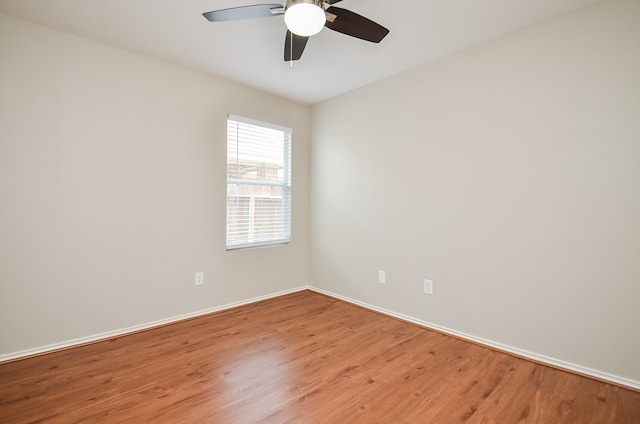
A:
258	184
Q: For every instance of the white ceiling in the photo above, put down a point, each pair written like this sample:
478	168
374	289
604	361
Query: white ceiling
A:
251	51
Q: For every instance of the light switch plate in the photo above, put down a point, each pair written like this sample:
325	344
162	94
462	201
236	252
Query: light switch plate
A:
428	286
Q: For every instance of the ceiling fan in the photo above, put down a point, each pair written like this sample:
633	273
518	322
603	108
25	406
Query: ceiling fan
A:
305	18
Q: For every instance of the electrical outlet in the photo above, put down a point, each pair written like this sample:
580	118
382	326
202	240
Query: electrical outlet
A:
428	286
199	278
382	277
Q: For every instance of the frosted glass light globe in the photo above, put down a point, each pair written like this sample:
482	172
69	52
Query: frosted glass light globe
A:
304	18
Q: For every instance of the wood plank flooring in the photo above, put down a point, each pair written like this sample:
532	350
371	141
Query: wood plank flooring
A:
300	358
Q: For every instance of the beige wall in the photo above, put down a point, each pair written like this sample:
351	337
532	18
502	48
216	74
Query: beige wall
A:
508	173
112	190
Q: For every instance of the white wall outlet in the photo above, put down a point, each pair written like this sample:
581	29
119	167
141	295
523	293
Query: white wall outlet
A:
382	277
199	278
428	286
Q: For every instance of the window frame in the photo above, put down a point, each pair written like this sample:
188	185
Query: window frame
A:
283	237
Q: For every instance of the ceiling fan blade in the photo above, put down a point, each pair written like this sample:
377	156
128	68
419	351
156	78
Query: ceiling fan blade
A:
331	1
294	46
350	23
245	12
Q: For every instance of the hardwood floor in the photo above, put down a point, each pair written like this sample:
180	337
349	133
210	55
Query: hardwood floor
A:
300	358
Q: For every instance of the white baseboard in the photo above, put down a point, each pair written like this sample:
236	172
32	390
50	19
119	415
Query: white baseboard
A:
136	328
621	381
557	363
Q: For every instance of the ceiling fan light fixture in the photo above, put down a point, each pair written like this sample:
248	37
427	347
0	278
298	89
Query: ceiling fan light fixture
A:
305	17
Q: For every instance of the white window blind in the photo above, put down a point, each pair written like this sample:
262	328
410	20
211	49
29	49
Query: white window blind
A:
258	183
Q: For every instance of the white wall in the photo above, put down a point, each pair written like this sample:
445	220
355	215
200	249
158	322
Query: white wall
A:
112	190
509	174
